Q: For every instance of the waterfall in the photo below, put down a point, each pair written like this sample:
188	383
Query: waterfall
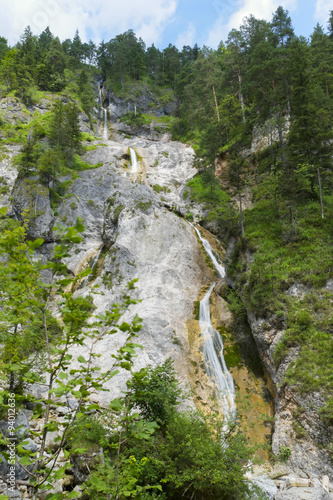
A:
134	161
214	361
209	250
215	365
100	98
105	131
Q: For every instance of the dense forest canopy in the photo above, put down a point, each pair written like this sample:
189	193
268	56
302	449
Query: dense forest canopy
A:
262	71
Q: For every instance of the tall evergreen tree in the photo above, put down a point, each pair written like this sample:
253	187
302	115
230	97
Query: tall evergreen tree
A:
77	50
3	47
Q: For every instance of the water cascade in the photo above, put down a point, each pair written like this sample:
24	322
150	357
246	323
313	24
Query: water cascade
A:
105	130
215	365
214	361
100	97
219	268
134	161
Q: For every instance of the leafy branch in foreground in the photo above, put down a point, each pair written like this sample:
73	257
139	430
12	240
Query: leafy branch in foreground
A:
25	297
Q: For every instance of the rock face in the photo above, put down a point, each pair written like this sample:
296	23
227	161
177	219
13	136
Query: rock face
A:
8	173
265	135
32	202
293	412
145	241
141	98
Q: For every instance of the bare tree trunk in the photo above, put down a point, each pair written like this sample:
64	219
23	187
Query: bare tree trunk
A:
320	195
218	115
328	95
281	140
241	98
241	215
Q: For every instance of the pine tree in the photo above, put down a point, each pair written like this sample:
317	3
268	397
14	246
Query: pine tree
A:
72	132
322	63
282	27
153	63
44	43
77	50
3	48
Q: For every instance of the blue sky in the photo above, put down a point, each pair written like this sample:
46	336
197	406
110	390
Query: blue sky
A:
180	22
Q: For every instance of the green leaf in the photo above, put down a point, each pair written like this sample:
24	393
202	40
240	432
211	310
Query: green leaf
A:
116	404
93	407
25	460
124	327
79	450
100	485
52	426
125	365
81	359
73	494
35	244
85	273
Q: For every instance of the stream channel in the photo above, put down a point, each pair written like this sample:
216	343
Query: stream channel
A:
233	365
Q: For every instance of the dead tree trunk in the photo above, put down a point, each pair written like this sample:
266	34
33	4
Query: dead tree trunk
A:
241	215
320	195
218	115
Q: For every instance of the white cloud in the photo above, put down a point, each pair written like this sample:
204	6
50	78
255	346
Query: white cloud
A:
231	16
186	37
148	18
322	12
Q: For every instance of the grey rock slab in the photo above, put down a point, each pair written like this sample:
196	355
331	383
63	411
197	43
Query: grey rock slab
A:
167	165
266	485
57	489
30	445
20	424
12	494
8	173
147	242
20	473
295	493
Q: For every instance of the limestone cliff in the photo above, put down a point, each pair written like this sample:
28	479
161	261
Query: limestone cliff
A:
133	232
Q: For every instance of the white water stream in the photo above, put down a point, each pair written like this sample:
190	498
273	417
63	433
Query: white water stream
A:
219	268
134	161
100	98
215	365
105	130
214	361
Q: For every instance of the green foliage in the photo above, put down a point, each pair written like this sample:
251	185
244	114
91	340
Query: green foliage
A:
64	131
235	304
186	455
137	120
206	189
158	189
155	392
34	343
284	453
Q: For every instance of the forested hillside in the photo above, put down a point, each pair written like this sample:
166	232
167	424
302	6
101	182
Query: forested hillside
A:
258	113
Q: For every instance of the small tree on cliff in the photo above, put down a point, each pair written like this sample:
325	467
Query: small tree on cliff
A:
64	129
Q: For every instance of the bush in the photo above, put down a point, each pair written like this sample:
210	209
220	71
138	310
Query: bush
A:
155	392
186	456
